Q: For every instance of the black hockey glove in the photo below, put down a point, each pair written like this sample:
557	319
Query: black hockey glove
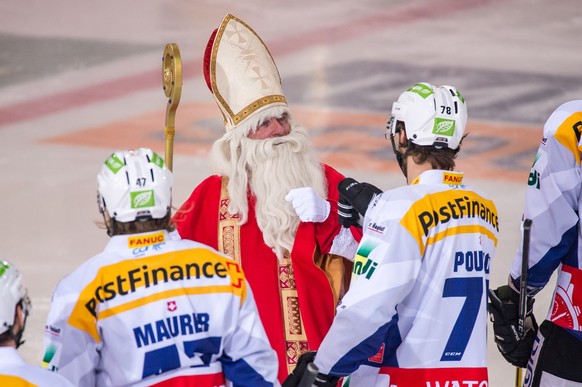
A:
357	195
504	314
347	214
321	380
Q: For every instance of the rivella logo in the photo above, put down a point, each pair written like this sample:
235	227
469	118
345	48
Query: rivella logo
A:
444	126
142	199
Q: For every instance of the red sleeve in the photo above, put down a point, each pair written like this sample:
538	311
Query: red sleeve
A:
197	218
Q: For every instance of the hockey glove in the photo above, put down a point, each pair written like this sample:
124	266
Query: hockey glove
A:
504	314
348	216
359	195
321	380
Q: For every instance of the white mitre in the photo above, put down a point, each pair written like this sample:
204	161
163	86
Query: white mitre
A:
241	73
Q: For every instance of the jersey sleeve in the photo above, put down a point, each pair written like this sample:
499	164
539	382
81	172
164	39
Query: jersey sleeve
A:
384	274
551	202
68	350
248	358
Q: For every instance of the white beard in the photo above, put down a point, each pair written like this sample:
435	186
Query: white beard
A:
271	168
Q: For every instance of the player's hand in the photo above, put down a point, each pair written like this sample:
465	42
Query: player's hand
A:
295	376
308	205
321	380
504	313
359	195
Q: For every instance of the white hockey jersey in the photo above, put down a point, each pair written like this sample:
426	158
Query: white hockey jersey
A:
416	315
15	372
554	203
153	311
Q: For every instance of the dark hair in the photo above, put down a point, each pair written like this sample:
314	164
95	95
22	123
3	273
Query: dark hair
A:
6	337
139	226
439	158
443	158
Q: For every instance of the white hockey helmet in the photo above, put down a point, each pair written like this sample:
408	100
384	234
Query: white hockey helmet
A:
12	292
134	185
433	115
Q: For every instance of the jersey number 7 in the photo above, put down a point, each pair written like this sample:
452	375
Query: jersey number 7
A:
472	289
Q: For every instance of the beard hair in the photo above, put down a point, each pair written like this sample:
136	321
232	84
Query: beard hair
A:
270	168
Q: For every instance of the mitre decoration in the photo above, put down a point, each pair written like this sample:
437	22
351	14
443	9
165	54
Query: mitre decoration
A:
241	72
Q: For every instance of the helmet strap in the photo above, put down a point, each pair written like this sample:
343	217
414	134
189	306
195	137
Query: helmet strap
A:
17	337
110	224
399	155
112	227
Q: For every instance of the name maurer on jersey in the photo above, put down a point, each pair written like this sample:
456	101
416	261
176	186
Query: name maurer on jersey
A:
145	276
461	207
184	324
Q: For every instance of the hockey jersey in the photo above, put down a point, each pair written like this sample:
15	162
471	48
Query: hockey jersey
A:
154	311
416	312
553	202
15	372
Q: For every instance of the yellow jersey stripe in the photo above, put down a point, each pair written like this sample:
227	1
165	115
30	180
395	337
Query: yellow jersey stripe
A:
567	136
471	229
169	294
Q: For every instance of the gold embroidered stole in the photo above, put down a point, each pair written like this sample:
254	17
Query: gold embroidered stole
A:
229	243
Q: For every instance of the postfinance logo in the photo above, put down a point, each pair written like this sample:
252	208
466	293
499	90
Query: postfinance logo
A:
471	211
443	126
129	278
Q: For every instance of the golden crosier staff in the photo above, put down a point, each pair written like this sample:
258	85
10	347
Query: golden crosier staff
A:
172	79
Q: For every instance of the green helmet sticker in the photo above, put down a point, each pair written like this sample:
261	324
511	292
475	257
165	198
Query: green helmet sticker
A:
443	126
142	199
113	163
157	160
420	89
3	267
460	97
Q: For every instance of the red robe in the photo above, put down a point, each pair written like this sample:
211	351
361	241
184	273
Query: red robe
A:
319	279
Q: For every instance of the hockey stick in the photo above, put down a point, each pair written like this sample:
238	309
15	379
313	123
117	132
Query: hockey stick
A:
523	291
172	80
309	376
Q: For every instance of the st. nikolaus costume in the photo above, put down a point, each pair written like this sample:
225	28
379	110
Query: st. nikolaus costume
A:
296	294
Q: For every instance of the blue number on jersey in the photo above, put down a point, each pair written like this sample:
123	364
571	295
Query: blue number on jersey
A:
472	289
166	359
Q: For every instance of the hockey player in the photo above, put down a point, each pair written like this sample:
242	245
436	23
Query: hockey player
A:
416	312
553	203
150	310
14	309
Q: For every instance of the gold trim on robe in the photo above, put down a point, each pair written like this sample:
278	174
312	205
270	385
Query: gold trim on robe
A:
229	243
